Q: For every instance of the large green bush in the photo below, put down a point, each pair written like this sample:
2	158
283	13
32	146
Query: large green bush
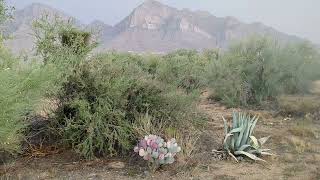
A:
184	68
23	85
259	69
101	100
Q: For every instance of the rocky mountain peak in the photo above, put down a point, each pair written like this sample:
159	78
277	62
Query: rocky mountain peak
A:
151	4
150	15
151	27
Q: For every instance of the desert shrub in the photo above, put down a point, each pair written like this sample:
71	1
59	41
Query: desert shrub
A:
58	37
5	11
259	69
298	67
211	54
102	99
183	68
7	60
23	85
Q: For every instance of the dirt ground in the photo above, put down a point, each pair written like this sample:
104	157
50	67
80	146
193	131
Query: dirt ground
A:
295	141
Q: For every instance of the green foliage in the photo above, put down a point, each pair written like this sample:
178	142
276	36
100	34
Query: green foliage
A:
184	68
5	12
57	37
76	40
259	69
102	99
239	139
7	61
22	88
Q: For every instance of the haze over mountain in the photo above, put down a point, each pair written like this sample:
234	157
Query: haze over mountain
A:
20	28
151	27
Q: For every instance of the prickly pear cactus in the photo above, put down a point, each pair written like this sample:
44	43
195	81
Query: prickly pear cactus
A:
156	151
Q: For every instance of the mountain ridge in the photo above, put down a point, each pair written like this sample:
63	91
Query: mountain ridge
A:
153	27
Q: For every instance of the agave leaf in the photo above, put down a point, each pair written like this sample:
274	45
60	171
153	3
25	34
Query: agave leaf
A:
242	148
234	120
255	119
255	142
254	151
242	116
267	153
225	125
246	133
238	143
251	156
236	130
265	150
233	156
236	126
239	119
226	145
263	140
232	143
228	135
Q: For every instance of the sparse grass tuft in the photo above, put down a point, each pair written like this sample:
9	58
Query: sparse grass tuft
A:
299	144
303	128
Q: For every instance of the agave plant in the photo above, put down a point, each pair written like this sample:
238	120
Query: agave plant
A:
239	139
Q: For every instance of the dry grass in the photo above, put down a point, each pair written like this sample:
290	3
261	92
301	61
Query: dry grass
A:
300	145
299	105
303	130
294	170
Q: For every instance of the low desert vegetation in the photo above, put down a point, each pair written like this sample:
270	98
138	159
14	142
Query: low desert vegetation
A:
105	103
258	70
101	100
299	105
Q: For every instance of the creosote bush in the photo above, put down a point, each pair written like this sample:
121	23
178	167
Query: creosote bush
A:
260	69
58	37
102	99
23	86
184	68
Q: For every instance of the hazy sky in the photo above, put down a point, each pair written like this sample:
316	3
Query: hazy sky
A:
297	17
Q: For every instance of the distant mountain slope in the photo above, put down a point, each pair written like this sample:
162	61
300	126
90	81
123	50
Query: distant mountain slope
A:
156	27
20	28
152	27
